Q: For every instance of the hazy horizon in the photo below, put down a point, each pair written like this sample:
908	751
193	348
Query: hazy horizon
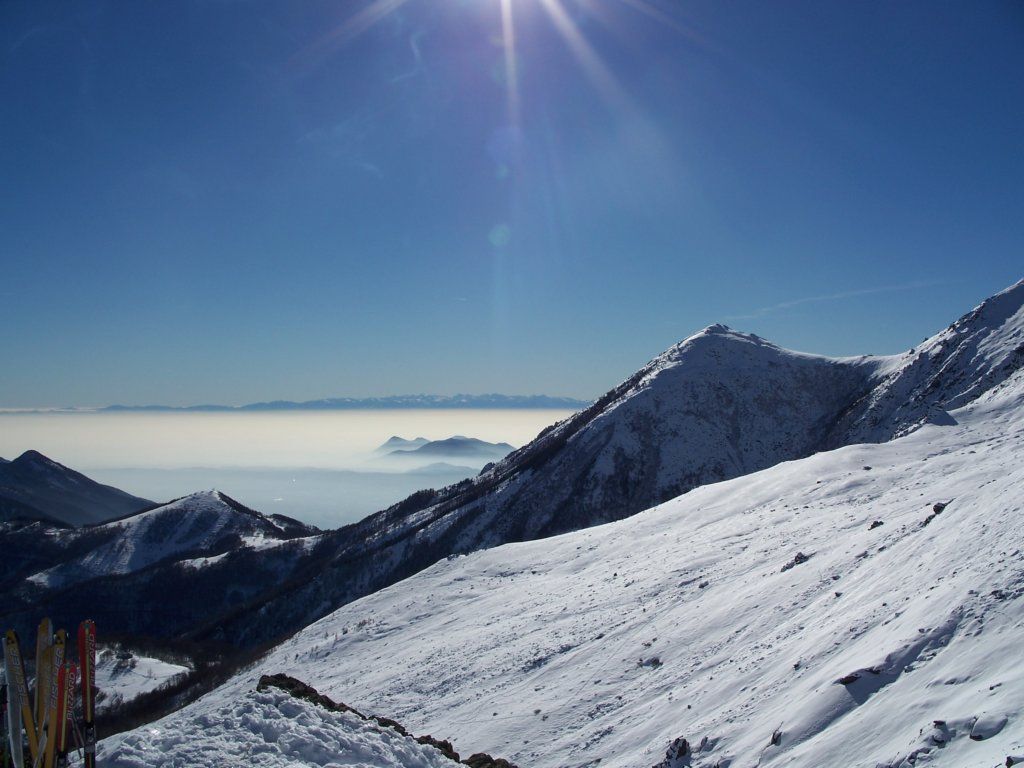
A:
318	466
293	405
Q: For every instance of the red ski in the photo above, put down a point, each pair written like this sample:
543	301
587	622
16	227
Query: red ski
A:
87	665
67	677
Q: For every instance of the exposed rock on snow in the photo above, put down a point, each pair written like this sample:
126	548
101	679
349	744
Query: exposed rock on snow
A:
274	730
286	723
306	692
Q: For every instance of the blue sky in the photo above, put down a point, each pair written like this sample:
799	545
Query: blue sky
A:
230	201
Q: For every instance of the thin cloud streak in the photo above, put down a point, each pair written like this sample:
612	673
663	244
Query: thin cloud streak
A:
835	297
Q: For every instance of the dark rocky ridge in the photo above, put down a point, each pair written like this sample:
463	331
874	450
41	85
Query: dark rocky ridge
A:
34	487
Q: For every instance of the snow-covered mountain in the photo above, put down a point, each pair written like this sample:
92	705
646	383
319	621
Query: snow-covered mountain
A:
204	522
949	370
858	607
34	487
719	405
160	572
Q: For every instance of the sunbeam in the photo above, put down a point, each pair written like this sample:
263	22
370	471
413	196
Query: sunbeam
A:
599	74
652	11
350	29
595	69
511	65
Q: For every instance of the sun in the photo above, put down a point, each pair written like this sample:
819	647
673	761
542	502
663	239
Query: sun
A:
595	69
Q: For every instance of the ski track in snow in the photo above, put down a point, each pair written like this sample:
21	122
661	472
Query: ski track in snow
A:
600	647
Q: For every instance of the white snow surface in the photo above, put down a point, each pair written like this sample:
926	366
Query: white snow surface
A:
601	647
123	676
272	730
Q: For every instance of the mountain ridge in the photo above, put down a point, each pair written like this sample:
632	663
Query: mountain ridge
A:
34	486
203	544
717	405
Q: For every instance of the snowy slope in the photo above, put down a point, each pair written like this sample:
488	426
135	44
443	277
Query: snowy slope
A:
122	676
949	370
727	617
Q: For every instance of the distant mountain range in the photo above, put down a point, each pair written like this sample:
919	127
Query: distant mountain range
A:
396	443
395	401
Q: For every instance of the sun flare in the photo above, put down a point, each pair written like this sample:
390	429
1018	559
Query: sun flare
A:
561	16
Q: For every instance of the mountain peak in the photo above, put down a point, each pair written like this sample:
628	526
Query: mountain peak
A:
210	498
47	490
723	333
32	457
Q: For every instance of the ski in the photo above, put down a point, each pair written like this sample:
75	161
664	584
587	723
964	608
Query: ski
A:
18	691
11	724
4	750
56	663
44	662
87	666
66	677
44	639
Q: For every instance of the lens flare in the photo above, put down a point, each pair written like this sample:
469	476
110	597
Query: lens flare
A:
595	69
